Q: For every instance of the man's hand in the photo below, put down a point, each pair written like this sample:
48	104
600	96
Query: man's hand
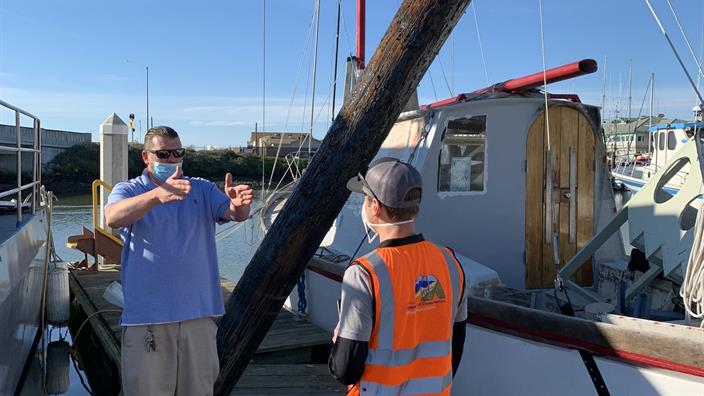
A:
174	188
240	195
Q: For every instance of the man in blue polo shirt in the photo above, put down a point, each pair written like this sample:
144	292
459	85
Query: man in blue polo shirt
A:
170	275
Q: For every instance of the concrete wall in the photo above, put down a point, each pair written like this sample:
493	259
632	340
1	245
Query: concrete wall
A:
53	143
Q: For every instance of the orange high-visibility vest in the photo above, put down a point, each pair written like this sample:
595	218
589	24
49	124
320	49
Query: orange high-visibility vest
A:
416	289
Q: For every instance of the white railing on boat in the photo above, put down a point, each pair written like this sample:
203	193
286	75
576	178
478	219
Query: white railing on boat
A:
637	169
36	153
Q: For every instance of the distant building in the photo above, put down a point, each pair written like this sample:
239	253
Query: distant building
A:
630	136
53	142
291	142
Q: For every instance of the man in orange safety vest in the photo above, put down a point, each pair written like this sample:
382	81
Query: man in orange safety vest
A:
403	306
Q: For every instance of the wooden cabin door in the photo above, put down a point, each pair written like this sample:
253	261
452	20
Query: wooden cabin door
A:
572	145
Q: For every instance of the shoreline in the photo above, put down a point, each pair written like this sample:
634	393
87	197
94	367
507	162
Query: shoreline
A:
70	188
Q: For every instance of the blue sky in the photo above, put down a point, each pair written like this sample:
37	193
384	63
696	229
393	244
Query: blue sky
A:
67	61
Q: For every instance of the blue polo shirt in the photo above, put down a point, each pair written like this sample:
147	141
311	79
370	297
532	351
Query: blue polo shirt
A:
169	262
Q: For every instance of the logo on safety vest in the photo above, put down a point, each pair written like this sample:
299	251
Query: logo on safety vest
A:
428	289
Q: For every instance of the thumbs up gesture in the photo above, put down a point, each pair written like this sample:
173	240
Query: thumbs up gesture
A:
174	188
240	195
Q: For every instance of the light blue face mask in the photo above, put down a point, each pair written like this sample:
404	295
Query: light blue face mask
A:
163	170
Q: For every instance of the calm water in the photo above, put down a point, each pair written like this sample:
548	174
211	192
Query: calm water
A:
236	243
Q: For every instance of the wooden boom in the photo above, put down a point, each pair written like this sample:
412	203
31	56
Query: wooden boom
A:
415	36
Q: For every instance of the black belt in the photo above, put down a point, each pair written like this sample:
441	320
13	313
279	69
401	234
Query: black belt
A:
588	359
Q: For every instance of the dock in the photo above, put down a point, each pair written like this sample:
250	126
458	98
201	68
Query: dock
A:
291	359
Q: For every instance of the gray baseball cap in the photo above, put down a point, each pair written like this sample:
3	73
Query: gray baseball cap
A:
388	180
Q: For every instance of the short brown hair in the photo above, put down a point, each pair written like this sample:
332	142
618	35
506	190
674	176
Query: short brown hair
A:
403	214
160	130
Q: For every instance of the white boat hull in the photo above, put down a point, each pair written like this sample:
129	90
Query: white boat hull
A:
22	281
501	363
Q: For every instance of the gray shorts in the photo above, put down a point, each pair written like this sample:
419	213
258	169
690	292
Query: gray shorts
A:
178	358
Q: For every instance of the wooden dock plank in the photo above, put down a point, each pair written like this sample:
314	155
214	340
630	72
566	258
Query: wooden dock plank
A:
292	379
286	332
289	335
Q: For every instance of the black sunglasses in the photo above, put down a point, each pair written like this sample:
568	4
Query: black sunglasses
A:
164	154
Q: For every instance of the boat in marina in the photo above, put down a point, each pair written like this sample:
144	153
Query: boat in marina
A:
496	195
516	181
24	253
666	139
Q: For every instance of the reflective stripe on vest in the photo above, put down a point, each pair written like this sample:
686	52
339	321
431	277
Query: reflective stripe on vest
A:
414	386
383	358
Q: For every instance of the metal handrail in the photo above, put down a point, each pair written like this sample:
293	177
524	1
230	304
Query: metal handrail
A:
17	109
96	224
16	190
36	153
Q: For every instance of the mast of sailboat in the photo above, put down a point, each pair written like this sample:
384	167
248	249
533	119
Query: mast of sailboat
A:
701	48
337	52
361	23
650	119
652	90
630	99
315	71
603	92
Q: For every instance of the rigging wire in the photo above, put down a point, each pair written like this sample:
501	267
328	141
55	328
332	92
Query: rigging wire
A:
263	90
347	35
672	47
265	189
640	112
442	69
278	150
549	199
315	73
432	84
686	40
479	40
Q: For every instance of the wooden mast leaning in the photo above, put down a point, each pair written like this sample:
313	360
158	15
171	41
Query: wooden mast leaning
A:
415	36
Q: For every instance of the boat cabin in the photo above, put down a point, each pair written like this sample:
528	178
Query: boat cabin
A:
487	183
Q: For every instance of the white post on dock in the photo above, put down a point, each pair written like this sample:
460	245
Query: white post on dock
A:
113	156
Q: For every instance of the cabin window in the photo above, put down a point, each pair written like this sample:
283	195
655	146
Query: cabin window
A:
661	141
671	141
640	138
463	156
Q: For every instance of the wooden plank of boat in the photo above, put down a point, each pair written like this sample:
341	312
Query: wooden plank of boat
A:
569	128
404	54
535	169
291	379
585	197
681	351
637	341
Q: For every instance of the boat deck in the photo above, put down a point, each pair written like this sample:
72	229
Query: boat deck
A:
8	223
290	359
